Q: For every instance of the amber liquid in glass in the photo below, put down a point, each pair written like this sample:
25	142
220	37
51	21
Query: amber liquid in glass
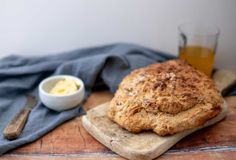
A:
199	57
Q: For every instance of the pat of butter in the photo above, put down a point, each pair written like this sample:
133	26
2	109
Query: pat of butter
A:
65	86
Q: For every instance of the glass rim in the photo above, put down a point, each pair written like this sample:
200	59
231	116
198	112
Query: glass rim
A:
206	29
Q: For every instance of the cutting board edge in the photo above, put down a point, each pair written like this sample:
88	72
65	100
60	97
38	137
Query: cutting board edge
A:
143	155
105	141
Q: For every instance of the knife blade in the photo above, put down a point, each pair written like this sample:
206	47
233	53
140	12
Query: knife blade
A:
16	125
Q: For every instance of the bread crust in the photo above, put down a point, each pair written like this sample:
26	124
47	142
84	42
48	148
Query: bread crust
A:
168	98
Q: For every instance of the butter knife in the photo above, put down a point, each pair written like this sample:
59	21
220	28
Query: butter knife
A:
16	125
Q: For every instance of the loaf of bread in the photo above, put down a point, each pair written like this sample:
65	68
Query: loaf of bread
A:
168	98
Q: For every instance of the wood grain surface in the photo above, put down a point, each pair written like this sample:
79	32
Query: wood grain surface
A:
143	146
70	141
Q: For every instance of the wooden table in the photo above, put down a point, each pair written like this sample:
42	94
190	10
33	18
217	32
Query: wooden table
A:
70	141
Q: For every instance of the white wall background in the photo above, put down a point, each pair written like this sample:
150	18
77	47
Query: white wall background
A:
33	27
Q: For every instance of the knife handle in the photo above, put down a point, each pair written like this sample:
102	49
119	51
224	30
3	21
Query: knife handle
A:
14	128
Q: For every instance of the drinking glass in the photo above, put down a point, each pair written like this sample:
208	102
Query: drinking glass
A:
197	45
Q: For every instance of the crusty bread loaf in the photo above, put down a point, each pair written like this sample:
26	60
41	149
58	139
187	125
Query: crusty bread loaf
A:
167	98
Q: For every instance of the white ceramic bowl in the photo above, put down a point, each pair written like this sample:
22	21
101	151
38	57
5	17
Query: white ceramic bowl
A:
60	102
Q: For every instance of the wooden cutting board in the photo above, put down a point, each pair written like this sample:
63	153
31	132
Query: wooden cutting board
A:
145	145
142	146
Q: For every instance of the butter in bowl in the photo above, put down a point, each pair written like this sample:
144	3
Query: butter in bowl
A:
61	92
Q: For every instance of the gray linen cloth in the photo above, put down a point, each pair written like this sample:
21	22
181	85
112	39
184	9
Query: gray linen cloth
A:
20	76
